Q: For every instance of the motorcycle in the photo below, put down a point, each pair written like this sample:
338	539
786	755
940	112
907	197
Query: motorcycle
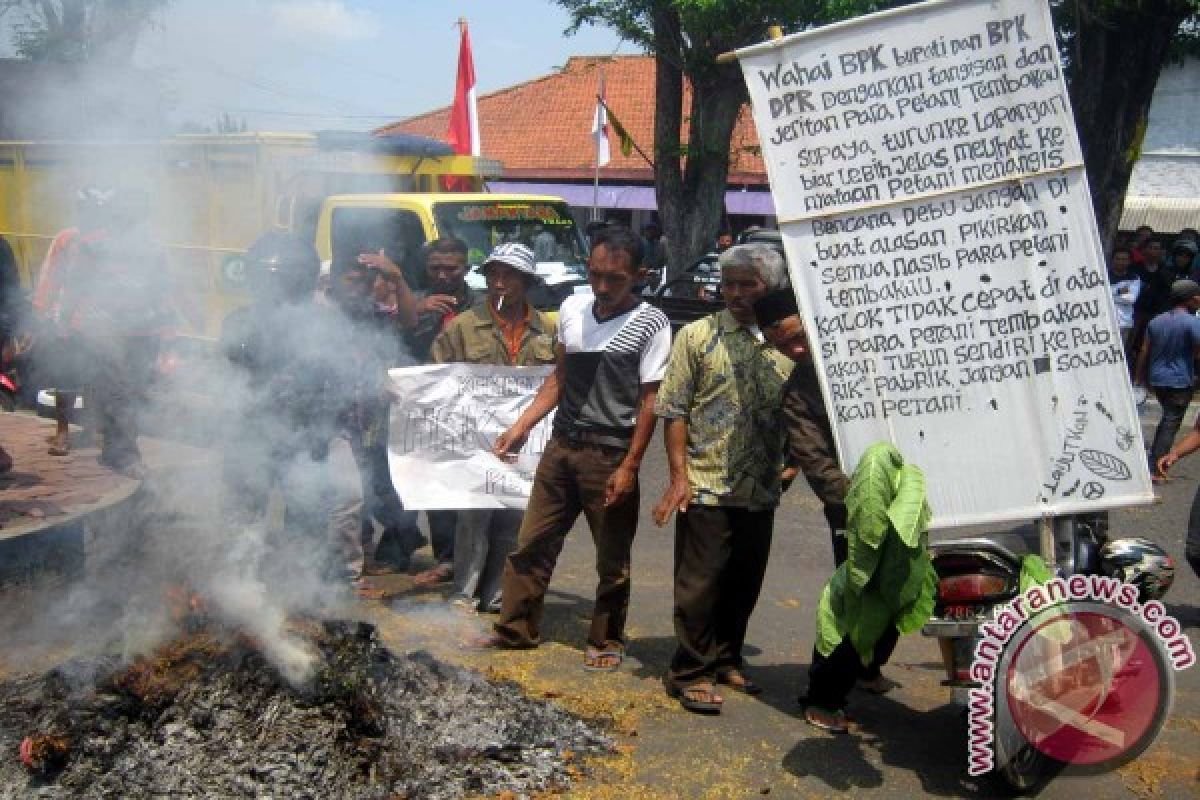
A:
979	574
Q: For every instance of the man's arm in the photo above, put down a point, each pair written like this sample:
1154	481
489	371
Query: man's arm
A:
679	490
1184	447
1143	360
624	477
810	447
406	301
545	401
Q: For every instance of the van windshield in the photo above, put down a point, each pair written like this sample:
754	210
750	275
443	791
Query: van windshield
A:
545	227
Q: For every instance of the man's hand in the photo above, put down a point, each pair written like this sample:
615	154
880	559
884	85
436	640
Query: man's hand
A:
1166	462
620	484
382	263
509	443
787	476
437	303
675	498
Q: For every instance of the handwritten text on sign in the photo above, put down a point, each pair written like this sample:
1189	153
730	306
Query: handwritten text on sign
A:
444	422
940	236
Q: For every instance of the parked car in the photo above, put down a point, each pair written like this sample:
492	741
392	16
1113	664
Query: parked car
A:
697	292
694	294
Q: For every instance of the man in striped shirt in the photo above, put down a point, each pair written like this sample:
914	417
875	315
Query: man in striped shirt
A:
611	354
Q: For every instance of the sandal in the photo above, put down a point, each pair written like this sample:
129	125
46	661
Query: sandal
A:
494	641
606	659
880	684
699	698
831	721
736	679
432	577
367	590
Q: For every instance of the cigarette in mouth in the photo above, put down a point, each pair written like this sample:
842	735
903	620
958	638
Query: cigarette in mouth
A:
500	304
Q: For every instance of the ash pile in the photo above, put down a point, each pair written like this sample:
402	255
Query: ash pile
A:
208	716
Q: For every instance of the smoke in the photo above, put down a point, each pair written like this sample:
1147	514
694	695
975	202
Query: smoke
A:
209	518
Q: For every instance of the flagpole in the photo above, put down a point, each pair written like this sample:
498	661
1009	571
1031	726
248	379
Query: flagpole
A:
596	192
600	124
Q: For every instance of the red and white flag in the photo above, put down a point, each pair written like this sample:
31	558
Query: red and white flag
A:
464	116
600	128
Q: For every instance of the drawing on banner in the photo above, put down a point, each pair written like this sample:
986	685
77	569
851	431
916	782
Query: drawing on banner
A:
940	235
1105	465
444	421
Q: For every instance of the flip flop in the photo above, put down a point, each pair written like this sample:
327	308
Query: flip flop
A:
830	721
592	655
877	685
432	577
693	704
367	590
493	641
736	679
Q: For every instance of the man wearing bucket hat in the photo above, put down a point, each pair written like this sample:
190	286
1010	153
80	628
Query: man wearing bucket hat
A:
503	330
1167	364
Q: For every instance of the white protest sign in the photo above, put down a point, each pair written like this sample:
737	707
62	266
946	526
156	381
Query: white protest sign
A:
443	423
941	240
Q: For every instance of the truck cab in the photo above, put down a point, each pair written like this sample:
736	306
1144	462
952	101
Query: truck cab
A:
402	224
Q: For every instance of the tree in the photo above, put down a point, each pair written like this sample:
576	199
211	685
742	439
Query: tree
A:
1113	52
686	36
79	31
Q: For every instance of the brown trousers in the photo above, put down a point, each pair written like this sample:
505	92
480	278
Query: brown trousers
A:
570	479
720	560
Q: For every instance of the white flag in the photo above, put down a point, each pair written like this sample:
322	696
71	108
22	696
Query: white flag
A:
600	129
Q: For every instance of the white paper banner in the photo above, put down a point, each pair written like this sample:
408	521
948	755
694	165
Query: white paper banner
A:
443	423
940	236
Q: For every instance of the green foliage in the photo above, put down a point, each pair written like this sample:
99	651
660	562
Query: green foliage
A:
79	30
888	578
830	613
872	489
711	27
1034	572
908	512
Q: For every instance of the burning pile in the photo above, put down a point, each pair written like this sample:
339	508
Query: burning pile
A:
208	716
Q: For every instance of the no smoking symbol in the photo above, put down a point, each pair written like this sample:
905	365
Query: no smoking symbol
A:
1092	490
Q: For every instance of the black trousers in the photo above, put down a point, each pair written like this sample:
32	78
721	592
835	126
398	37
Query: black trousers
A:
720	560
831	678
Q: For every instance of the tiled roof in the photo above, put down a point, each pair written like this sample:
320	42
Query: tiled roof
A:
542	128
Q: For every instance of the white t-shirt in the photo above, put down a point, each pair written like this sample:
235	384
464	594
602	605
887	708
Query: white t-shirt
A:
606	364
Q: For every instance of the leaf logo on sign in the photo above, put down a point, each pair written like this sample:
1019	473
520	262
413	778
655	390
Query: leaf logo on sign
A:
1105	466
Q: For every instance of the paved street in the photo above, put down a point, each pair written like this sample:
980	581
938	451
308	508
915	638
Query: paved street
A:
909	743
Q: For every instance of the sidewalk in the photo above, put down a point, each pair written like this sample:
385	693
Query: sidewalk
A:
44	491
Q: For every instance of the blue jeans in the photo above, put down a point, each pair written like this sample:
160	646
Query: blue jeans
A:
1174	404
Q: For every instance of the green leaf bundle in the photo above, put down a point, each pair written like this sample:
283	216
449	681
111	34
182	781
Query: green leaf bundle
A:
888	578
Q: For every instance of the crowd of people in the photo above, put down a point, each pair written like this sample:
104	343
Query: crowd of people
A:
304	373
1156	292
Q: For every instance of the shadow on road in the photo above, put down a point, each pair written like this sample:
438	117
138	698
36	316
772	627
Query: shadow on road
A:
930	745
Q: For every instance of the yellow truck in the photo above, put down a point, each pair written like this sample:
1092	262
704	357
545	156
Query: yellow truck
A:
211	196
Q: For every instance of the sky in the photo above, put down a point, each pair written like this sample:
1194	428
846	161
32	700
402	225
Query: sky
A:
364	62
351	64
